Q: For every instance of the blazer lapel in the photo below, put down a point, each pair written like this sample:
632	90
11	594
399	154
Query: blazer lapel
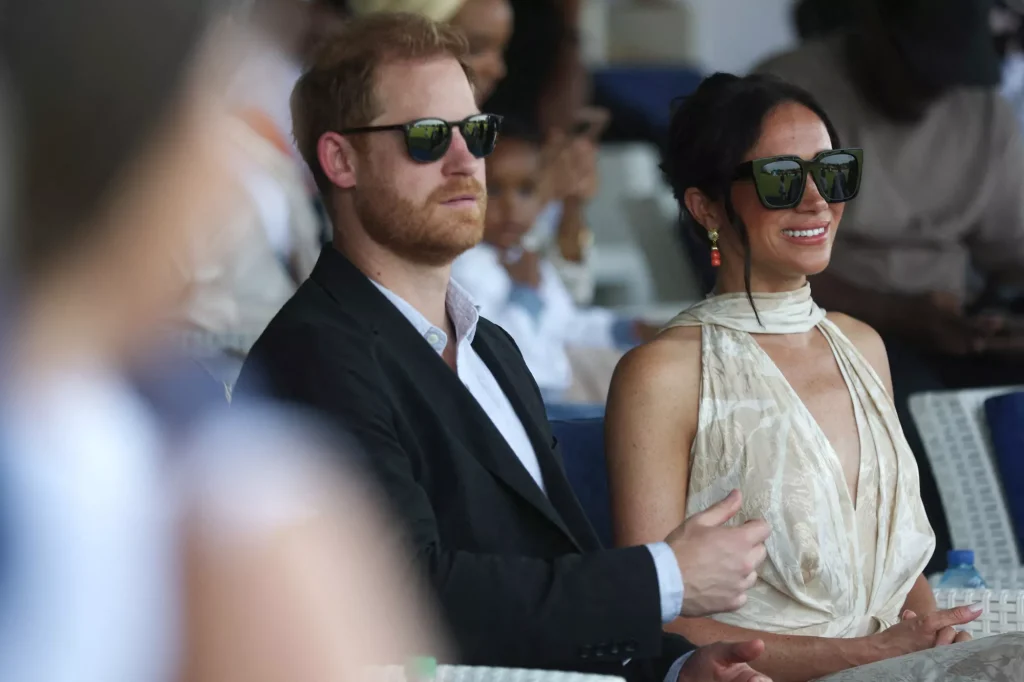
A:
559	492
454	405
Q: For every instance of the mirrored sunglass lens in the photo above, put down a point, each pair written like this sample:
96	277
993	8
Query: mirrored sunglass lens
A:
780	182
480	133
428	140
839	176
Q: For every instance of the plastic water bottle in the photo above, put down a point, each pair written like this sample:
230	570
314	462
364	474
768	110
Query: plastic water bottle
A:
960	572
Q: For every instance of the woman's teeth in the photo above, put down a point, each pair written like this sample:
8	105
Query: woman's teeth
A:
818	231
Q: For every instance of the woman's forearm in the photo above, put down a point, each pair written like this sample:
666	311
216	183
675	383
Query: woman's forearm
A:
921	599
786	658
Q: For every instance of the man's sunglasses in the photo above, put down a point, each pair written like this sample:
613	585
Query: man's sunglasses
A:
781	180
428	139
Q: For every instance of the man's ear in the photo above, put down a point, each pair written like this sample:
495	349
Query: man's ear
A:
337	159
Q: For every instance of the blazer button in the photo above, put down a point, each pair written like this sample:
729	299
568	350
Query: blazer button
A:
615	650
630	647
585	652
601	651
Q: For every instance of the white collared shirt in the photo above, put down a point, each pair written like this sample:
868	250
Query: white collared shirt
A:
473	372
477	378
542	321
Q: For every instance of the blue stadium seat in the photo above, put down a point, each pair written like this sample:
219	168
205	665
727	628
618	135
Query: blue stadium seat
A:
582	446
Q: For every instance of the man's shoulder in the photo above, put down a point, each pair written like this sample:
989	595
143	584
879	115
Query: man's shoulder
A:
312	329
312	312
505	349
498	339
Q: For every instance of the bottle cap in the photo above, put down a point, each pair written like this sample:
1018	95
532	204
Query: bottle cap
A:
960	557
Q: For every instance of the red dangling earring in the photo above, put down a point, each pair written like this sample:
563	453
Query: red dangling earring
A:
716	256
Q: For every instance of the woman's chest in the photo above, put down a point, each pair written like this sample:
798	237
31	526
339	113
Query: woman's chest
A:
814	390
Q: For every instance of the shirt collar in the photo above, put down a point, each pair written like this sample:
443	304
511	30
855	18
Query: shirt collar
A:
459	305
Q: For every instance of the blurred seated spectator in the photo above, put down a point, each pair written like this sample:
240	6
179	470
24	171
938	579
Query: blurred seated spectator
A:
486	25
819	18
241	275
915	84
1008	27
546	82
571	351
567	180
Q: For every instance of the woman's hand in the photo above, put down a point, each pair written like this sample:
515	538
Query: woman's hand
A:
947	635
916	633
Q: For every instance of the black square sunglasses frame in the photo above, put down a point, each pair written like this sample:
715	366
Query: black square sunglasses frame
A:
478	148
751	169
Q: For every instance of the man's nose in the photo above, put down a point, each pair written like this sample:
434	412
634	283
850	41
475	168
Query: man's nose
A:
459	160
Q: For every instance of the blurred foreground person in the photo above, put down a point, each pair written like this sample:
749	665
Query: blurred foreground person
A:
241	275
136	545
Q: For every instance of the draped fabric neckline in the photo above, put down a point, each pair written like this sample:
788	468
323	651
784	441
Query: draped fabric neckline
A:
787	312
838	565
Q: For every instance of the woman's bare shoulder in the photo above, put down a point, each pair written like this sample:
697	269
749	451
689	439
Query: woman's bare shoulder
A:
667	365
653	404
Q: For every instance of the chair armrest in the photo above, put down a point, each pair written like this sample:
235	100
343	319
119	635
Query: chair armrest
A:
1004	609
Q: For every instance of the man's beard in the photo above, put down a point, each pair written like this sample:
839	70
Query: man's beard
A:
429	234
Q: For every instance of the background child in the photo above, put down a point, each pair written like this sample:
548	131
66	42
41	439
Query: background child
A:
571	350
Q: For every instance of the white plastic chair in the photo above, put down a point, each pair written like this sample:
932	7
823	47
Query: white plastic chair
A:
1004	609
958	445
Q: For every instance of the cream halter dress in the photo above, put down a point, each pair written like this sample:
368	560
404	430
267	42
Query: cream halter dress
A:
836	567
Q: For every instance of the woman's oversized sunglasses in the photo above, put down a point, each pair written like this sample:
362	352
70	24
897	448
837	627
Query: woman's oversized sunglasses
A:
781	180
428	139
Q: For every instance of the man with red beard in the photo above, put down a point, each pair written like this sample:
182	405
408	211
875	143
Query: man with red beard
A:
381	341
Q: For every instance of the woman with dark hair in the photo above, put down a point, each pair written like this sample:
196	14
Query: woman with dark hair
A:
757	389
915	82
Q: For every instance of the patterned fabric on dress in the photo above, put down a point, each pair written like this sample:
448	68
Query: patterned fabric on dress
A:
992	659
836	567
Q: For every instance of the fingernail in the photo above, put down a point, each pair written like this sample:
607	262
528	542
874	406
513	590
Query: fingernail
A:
976	608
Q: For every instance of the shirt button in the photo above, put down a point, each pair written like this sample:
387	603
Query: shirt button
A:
433	338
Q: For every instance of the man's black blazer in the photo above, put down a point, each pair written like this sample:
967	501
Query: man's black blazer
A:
521	577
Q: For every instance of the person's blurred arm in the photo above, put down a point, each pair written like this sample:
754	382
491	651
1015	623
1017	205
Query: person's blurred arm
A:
291	570
997	244
575	183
